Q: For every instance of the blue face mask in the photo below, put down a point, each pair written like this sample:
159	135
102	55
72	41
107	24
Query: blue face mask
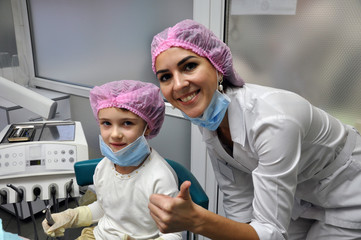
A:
214	113
131	155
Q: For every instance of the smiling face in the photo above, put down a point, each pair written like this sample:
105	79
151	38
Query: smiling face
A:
120	127
187	80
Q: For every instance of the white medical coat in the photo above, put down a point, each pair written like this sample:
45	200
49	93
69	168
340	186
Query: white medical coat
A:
283	163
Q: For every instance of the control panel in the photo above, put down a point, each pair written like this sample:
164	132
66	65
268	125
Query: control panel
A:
36	158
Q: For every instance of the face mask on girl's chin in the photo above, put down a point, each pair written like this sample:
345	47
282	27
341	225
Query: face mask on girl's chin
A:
131	155
214	113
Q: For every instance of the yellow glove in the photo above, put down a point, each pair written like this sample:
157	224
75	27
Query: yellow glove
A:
127	237
70	218
87	234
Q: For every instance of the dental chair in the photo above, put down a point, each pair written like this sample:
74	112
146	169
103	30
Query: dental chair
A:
84	176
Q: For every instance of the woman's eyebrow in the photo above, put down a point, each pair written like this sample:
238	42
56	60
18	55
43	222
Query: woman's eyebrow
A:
178	64
184	60
161	71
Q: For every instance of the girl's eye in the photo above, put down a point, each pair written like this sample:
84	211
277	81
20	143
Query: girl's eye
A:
128	123
164	77
105	123
190	66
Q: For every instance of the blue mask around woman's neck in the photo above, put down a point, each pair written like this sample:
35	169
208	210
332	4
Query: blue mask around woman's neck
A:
214	114
131	155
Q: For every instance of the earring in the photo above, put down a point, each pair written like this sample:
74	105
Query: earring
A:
220	86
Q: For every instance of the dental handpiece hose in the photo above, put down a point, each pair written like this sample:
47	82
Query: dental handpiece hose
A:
20	192
48	216
3	197
69	188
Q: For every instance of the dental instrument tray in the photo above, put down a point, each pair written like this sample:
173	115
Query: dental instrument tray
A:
21	133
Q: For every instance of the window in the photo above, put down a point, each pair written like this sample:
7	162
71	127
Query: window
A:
88	43
315	52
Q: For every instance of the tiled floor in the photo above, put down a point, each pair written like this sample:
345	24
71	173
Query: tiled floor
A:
27	230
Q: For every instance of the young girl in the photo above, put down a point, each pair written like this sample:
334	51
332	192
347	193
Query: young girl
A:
288	170
128	113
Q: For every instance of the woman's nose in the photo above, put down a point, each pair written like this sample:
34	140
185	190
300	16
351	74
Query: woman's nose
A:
180	82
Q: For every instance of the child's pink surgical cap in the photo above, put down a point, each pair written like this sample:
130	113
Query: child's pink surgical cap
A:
141	98
193	36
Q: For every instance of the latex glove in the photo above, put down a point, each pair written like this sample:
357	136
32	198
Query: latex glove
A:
87	234
127	237
70	218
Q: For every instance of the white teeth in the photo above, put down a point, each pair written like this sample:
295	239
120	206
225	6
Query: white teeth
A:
186	99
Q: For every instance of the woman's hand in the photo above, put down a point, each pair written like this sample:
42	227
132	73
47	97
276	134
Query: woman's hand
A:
173	214
182	214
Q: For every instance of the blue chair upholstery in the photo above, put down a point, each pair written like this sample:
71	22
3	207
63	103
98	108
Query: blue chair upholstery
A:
197	193
84	171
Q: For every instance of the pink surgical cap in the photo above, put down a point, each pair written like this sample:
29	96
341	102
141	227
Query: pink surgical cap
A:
141	98
193	36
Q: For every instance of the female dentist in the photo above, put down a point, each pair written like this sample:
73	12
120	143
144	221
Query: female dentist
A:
288	170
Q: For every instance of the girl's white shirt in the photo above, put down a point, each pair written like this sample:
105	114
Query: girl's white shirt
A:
122	199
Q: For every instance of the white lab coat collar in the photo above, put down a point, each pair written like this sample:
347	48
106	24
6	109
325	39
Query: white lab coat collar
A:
237	124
